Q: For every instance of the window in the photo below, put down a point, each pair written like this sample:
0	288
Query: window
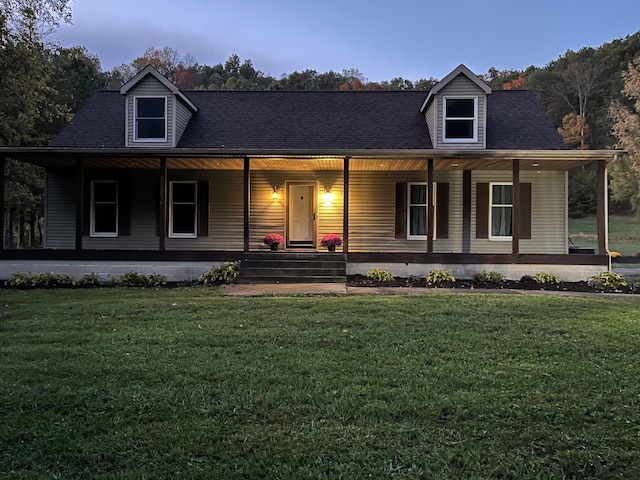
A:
460	119
183	221
104	208
417	211
501	207
150	119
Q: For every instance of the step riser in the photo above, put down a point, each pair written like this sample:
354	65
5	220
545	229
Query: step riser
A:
275	267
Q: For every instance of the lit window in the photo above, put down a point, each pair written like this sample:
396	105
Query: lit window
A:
151	119
417	211
104	208
501	202
183	219
460	119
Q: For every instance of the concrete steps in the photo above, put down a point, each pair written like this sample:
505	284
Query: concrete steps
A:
298	267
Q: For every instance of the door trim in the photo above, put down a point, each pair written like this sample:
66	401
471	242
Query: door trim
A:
314	226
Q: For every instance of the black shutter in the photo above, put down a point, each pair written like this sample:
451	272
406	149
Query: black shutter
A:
86	210
442	211
401	210
203	209
525	210
482	210
124	208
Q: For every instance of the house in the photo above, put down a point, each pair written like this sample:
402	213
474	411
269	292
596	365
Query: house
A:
153	179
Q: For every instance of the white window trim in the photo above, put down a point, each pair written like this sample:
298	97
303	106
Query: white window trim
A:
92	231
135	120
445	118
420	237
195	210
499	238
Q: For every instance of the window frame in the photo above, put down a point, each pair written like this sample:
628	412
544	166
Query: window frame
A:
172	234
136	137
499	238
92	230
409	205
473	119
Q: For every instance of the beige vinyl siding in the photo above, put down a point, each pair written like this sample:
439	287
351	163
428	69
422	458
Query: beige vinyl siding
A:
60	207
430	117
548	213
372	212
183	115
150	87
269	215
461	86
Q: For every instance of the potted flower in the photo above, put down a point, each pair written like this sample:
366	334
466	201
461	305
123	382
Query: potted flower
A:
331	240
273	239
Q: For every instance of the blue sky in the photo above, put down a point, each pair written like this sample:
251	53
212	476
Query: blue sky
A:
382	39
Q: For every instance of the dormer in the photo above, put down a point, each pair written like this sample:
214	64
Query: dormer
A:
456	111
157	112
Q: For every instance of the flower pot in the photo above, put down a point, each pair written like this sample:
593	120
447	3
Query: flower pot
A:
331	248
274	247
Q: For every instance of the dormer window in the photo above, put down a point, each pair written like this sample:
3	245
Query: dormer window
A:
460	119
150	119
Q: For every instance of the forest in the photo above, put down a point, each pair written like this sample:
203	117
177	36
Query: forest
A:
592	96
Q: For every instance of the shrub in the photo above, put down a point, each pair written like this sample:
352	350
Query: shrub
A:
90	280
438	277
607	280
138	280
488	277
225	273
546	278
380	275
39	280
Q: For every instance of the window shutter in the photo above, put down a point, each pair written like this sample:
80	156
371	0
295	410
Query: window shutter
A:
442	211
482	210
401	210
525	210
86	208
203	209
124	208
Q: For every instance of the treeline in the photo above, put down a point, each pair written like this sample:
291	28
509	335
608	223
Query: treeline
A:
42	85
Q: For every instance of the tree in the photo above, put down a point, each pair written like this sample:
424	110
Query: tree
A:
625	171
40	16
575	131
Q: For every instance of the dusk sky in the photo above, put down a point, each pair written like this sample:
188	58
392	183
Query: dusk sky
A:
382	39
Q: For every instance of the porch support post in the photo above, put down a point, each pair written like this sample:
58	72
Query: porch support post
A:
430	209
345	207
247	199
515	214
79	202
162	228
602	208
3	162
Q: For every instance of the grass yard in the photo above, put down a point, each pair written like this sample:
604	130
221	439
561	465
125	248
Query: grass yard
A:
181	383
624	233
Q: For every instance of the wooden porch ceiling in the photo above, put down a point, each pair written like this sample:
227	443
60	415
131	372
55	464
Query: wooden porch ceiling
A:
320	164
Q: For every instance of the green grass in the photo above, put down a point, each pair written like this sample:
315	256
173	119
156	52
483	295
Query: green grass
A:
624	233
182	383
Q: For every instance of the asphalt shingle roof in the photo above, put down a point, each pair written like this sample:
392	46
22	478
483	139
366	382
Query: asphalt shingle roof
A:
268	120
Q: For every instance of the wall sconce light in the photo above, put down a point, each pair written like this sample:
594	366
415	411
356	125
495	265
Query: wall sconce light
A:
275	195
328	198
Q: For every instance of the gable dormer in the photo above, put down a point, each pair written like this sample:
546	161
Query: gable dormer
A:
156	111
456	111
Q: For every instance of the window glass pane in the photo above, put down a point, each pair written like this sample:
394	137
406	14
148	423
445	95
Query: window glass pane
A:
502	195
418	194
184	192
418	221
105	217
151	128
150	107
460	107
501	221
184	219
104	192
459	129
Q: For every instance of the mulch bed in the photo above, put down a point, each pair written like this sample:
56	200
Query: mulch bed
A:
523	284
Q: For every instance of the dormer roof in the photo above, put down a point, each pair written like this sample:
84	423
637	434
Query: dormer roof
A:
150	70
460	70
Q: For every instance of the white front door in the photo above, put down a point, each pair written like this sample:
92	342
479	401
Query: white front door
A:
302	215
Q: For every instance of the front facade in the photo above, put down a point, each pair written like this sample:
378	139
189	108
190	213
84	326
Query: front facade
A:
158	180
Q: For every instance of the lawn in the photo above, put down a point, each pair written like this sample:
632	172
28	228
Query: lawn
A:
182	383
624	233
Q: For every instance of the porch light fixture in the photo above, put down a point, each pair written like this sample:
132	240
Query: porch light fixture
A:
328	198
275	195
535	164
